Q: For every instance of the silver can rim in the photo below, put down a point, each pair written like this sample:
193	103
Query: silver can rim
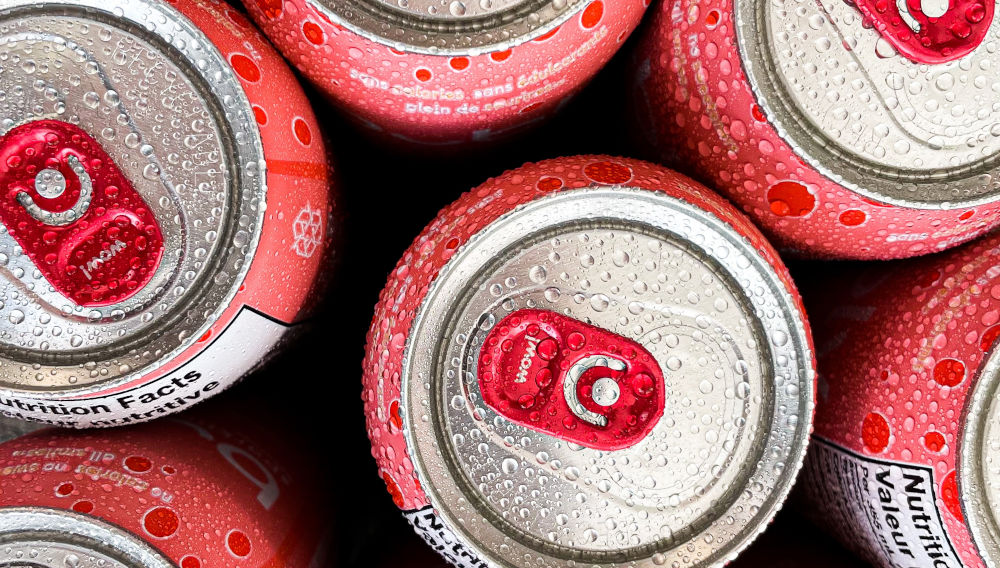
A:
248	192
498	32
981	519
829	158
421	444
64	527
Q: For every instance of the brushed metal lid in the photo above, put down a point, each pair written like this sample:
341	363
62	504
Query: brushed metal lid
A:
916	134
654	272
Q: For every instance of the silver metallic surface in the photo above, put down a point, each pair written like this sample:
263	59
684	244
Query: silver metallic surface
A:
655	270
979	461
573	378
450	27
163	102
47	538
870	119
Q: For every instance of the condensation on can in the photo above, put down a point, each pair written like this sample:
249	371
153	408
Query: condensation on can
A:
203	489
448	73
188	196
589	359
812	120
903	465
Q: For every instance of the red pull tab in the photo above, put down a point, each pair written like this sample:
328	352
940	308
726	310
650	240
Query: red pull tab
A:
927	39
575	381
75	214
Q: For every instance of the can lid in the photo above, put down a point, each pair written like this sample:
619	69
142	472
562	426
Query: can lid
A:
50	538
979	460
139	189
450	27
892	123
607	376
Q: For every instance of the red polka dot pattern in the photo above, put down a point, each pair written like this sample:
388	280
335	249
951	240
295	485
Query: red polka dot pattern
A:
875	433
245	67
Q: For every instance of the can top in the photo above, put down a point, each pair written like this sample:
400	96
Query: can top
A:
607	375
876	111
979	460
450	27
50	538
134	189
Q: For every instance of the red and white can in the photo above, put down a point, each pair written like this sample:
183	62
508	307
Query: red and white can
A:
184	492
845	129
903	465
448	72
165	208
589	359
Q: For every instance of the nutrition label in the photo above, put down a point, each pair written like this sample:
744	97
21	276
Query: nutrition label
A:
429	526
888	508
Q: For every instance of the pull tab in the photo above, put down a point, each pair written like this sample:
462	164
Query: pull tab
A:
571	380
75	214
930	31
44	182
606	391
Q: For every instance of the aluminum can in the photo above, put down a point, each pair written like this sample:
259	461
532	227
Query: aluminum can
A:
589	360
198	490
903	464
165	208
837	127
436	72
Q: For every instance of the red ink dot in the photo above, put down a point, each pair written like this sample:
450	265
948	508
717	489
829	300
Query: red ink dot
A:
168	470
608	172
84	507
452	243
245	67
592	14
949	494
790	199
302	131
190	562
875	432
989	338
757	114
966	216
499	56
238	543
313	33
852	217
206	337
712	19
549	184
397	495
138	464
259	115
928	278
459	63
394	416
934	441
423	75
64	489
271	8
884	376
949	372
161	522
